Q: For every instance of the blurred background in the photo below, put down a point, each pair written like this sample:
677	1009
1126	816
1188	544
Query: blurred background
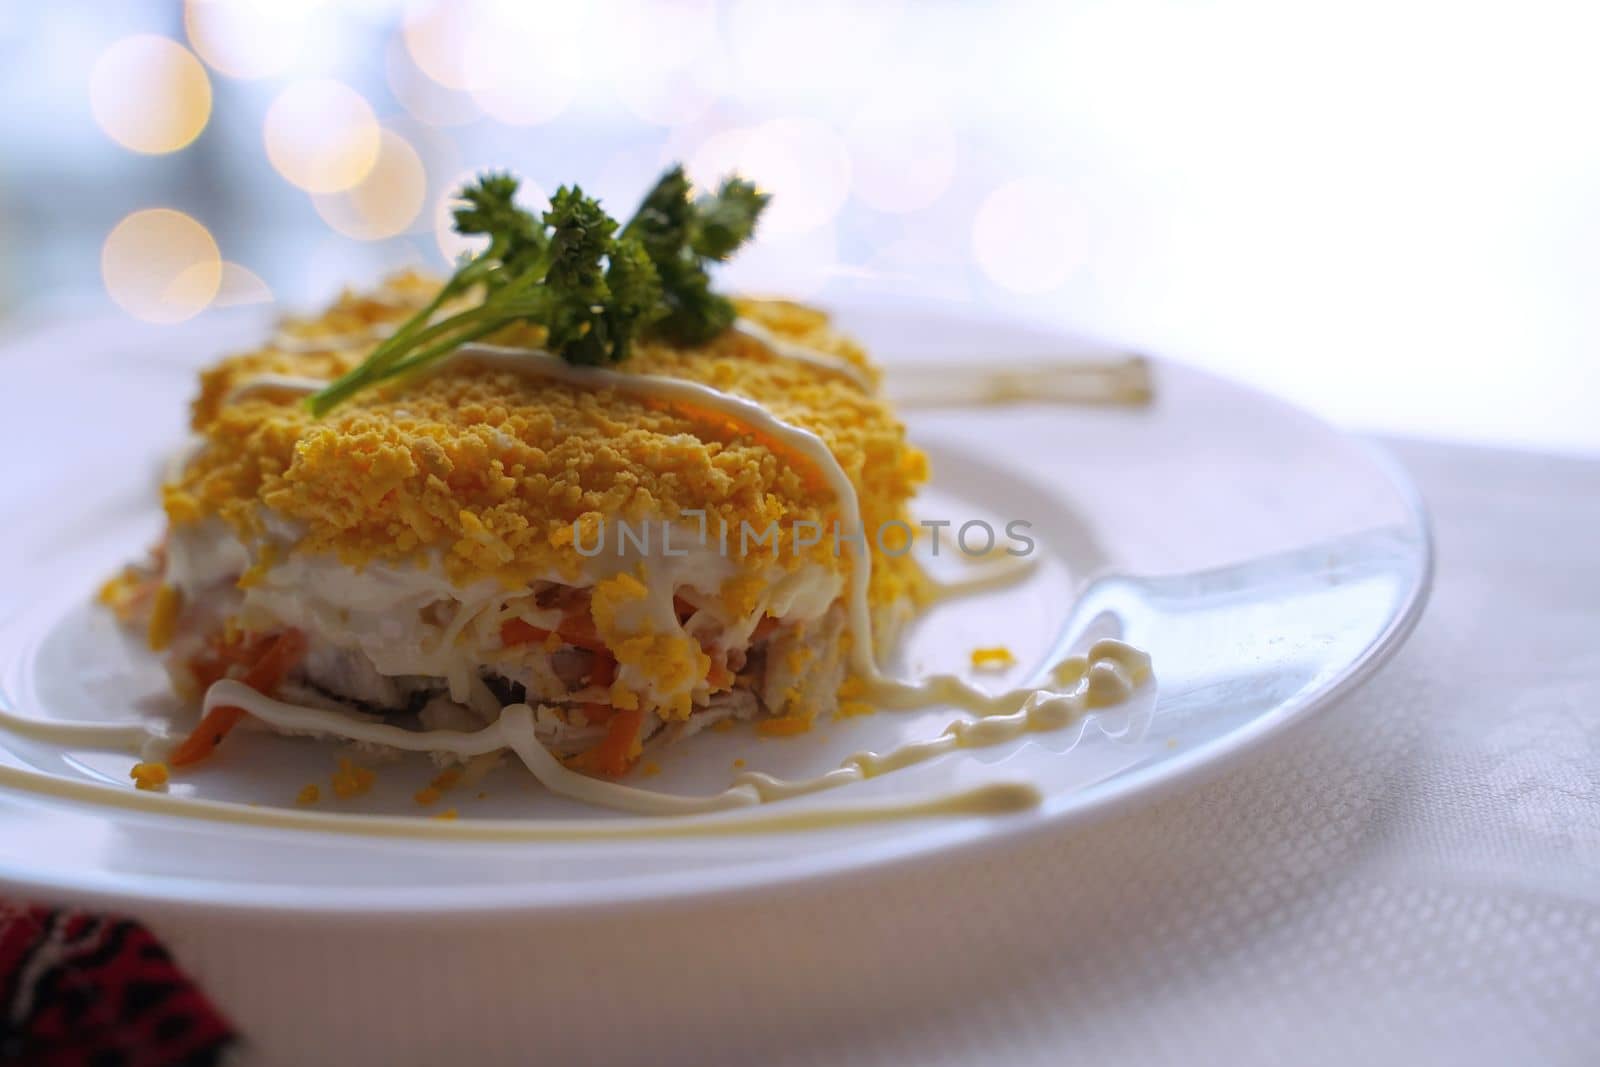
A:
1386	211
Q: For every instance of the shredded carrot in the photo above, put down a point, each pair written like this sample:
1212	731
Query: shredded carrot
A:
225	651
604	671
518	632
208	735
576	630
264	674
620	747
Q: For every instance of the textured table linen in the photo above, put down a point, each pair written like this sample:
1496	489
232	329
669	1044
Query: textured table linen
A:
1411	877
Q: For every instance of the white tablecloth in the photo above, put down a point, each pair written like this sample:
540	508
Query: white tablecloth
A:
1413	877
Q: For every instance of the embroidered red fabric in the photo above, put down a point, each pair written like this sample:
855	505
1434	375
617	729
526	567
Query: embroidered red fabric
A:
79	988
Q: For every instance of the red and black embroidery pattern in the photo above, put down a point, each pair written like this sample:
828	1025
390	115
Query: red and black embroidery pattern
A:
86	989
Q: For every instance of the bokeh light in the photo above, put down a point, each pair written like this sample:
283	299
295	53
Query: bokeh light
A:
670	96
523	63
386	201
816	48
528	59
801	161
161	265
249	38
667	66
623	179
240	286
422	97
333	263
791	265
902	151
321	135
920	268
1030	235
150	94
437	34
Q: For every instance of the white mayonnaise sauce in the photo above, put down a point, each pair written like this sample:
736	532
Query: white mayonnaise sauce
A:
538	364
1108	675
786	349
544	365
274	385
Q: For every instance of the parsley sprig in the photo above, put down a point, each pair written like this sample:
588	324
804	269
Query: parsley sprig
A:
594	288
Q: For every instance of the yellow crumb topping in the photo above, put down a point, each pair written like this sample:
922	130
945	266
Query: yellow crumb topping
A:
351	779
151	776
116	588
649	769
442	782
164	617
993	658
448	813
787	726
127	593
491	469
309	794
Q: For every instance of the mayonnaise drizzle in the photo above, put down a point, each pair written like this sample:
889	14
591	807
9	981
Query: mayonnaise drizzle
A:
1108	675
539	364
274	385
786	349
748	412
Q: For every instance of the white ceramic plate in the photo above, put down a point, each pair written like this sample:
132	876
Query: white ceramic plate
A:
1267	562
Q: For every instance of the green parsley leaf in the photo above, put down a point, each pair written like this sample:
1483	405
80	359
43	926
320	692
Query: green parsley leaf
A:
594	288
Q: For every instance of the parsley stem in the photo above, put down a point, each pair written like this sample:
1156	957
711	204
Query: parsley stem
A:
592	290
433	353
